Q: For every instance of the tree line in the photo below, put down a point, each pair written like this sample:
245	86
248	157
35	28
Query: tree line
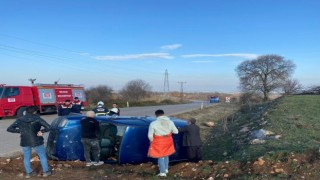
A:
134	90
258	78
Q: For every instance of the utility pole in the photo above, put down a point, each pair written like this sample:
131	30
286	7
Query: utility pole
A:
181	90
166	84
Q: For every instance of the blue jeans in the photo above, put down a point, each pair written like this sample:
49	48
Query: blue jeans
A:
163	164
40	150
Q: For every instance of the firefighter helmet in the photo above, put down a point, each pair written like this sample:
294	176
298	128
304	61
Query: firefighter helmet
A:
100	103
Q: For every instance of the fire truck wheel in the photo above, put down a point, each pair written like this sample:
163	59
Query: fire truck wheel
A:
21	111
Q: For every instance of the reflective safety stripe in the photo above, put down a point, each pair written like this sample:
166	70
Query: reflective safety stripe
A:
65	107
77	103
101	114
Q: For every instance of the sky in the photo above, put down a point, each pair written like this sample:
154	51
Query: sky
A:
111	42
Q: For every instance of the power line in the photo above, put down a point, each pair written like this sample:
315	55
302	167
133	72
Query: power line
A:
38	43
63	60
56	57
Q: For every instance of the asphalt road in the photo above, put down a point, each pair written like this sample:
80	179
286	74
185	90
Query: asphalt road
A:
10	142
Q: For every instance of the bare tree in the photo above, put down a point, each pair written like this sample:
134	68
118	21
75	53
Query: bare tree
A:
312	90
135	90
315	89
264	74
99	93
291	86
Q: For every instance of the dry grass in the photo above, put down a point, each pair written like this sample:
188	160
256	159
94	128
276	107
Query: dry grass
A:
216	139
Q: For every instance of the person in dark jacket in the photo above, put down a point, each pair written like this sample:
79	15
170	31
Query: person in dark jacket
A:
77	105
31	136
90	130
192	140
65	108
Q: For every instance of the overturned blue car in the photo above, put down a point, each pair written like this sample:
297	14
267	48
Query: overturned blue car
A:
123	139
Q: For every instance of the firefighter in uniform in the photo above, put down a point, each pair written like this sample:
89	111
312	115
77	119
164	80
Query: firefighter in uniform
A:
100	110
65	108
77	105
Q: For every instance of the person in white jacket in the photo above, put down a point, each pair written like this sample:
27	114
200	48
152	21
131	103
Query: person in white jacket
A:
161	141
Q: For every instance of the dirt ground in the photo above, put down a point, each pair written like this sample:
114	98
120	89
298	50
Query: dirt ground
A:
281	166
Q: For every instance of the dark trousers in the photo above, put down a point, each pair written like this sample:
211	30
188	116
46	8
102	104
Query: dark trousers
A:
194	153
91	146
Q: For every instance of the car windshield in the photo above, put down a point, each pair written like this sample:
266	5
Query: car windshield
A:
1	90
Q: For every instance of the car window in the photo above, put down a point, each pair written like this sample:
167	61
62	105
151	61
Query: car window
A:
10	91
110	139
121	130
111	129
1	90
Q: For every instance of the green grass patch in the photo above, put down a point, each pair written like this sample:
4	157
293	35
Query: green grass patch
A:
295	118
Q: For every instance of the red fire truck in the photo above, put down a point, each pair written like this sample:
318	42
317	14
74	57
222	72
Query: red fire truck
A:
47	97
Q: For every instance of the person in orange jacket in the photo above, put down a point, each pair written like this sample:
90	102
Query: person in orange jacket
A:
161	141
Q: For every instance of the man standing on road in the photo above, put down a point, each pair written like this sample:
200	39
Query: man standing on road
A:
31	136
161	141
89	139
65	108
77	105
192	140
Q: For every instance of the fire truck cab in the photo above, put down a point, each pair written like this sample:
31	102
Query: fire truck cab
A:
15	99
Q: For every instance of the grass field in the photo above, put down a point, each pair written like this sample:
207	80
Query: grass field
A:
295	118
295	155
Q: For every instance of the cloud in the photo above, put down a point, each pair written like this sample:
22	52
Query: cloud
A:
135	57
170	47
203	61
84	54
242	55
